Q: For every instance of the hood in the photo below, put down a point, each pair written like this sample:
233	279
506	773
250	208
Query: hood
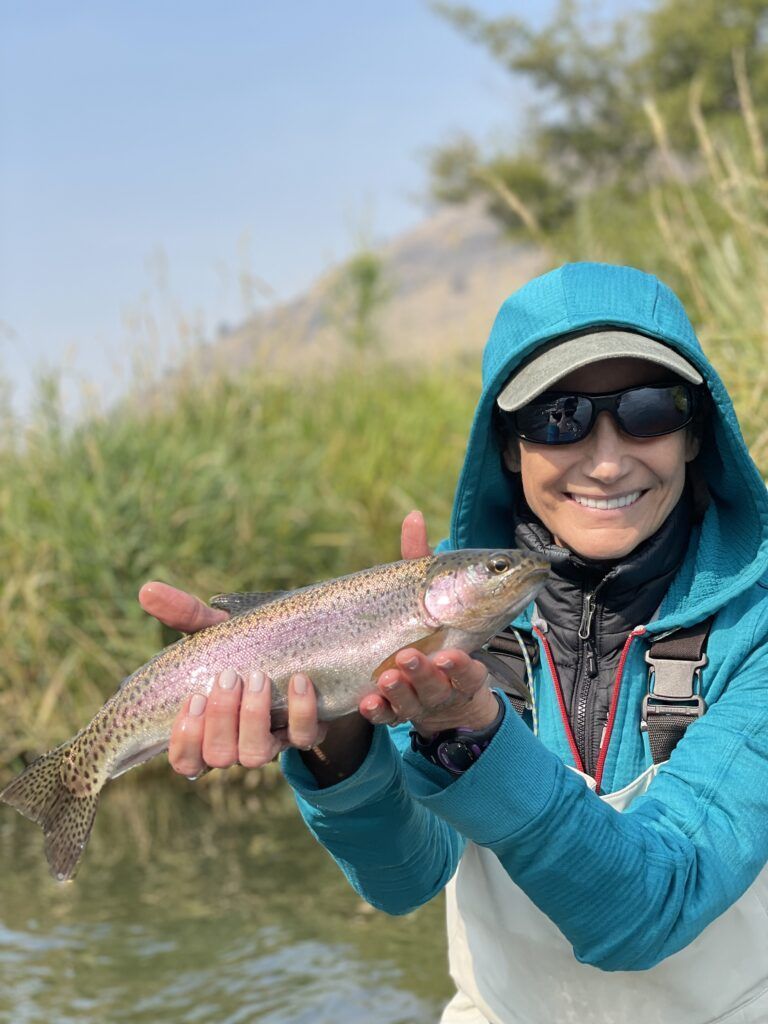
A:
729	548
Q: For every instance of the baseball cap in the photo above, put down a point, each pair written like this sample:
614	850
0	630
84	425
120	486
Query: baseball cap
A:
563	355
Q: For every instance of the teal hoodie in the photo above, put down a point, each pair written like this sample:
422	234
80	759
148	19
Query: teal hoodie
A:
626	889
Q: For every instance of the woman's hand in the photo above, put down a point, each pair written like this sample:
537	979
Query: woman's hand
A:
178	609
446	690
233	725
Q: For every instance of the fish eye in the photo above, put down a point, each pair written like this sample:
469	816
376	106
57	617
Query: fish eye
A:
498	564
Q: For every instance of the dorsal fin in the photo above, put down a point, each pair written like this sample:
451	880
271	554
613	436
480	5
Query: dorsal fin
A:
237	604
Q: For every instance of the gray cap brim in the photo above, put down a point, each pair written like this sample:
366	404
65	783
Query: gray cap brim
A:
562	356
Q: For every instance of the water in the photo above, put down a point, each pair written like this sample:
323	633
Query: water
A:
224	913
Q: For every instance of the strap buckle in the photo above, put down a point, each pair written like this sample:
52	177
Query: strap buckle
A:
673	693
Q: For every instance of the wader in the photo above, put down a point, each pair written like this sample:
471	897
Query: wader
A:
511	964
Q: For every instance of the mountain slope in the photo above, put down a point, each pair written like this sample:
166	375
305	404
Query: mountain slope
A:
446	278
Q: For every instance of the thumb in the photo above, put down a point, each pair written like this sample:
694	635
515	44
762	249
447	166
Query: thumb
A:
413	536
177	609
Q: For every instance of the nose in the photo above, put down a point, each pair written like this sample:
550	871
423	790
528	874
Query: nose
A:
606	455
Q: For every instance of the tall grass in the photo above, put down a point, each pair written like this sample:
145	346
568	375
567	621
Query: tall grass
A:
274	480
701	224
247	482
714	230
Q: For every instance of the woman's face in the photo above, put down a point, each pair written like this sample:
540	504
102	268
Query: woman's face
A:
650	472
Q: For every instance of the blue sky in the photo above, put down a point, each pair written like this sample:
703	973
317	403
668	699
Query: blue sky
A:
152	151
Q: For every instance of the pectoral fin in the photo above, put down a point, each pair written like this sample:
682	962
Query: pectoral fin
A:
237	604
428	644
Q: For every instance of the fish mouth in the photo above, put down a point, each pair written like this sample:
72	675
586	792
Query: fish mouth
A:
536	579
528	586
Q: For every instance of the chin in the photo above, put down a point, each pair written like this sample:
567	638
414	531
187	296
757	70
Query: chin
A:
602	550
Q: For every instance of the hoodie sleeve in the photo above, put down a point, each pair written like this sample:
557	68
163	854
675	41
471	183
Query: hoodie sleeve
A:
395	852
626	889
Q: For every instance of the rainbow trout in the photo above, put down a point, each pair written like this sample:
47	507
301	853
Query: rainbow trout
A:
343	633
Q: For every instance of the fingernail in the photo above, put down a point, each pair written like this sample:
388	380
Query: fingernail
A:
389	687
445	663
197	704
301	684
227	679
256	681
411	664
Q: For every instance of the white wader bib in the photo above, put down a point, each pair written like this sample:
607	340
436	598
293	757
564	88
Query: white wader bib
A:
511	964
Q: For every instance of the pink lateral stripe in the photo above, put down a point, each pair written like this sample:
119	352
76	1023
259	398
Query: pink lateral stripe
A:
614	704
560	700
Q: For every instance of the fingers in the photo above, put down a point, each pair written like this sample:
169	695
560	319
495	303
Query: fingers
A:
377	710
177	609
257	744
233	725
185	751
431	685
403	700
413	536
304	729
222	721
466	675
438	689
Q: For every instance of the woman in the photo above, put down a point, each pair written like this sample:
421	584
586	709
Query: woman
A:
604	850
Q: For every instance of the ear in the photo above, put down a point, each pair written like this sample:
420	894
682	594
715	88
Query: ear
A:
692	446
511	455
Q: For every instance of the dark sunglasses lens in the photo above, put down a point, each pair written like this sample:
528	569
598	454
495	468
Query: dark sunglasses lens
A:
647	412
559	419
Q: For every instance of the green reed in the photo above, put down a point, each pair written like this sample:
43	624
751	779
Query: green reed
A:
714	229
260	481
268	480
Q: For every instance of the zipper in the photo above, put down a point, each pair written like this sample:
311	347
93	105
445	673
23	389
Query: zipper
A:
606	738
560	700
608	730
587	663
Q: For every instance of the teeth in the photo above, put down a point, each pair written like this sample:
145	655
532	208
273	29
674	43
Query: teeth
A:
607	503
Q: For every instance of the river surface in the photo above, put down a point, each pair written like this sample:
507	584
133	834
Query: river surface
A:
217	910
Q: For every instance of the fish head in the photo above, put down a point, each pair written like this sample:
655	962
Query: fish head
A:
481	590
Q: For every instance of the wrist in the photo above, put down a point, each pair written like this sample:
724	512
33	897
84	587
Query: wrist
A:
341	753
477	714
458	749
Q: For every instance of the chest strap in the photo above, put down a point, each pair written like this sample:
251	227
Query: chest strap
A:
504	659
672	703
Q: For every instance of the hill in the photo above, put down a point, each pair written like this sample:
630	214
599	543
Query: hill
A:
446	279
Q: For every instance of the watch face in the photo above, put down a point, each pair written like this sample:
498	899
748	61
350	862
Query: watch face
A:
457	749
458	755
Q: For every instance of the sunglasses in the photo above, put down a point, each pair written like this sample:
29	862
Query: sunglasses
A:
559	417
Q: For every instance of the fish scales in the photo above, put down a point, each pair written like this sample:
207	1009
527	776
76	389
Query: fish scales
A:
340	632
332	632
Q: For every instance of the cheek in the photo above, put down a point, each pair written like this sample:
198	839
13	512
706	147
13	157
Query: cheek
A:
543	473
668	460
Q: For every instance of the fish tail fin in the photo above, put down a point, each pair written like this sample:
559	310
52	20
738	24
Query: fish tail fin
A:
40	794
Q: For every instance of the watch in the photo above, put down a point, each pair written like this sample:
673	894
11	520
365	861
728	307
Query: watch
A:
457	749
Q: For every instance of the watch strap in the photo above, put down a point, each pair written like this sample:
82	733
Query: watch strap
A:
456	750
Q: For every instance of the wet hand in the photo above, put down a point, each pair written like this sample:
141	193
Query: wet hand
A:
233	724
446	690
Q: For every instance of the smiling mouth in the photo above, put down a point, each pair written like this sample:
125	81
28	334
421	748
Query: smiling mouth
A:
607	504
